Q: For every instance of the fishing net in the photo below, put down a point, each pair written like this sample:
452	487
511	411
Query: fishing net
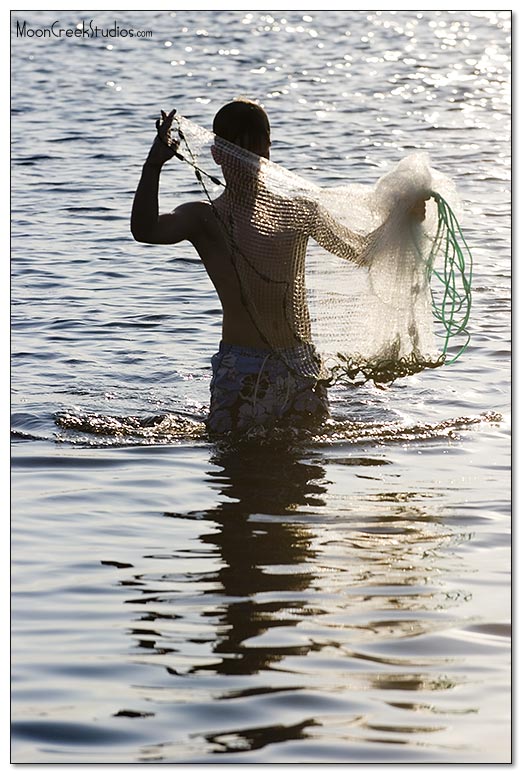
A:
344	282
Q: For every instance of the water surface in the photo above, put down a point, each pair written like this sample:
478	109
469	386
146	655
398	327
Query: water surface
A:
340	597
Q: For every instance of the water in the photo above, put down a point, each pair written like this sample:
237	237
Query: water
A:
342	598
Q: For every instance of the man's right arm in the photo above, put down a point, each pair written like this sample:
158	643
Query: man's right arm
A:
356	247
336	238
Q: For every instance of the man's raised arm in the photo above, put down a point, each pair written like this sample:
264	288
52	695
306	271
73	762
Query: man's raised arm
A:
147	225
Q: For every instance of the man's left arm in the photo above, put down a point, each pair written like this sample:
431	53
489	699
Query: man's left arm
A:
147	225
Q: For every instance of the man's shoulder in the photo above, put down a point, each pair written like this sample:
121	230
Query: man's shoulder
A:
196	210
199	219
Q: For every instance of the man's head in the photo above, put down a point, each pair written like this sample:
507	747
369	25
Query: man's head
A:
246	124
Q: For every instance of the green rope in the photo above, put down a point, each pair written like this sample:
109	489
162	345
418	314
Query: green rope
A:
453	310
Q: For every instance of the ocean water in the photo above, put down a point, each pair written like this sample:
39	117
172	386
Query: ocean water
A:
344	598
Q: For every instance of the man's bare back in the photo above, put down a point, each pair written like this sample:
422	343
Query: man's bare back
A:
218	230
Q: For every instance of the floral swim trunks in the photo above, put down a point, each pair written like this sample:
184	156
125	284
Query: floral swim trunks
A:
254	387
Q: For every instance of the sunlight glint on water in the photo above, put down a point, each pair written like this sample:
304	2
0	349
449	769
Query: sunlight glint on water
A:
341	597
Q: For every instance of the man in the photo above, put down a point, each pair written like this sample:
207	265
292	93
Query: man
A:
253	383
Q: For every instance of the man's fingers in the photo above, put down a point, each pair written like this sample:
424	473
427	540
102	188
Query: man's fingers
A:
163	128
167	119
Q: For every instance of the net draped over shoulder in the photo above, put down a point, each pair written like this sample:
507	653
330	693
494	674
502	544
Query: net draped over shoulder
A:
342	276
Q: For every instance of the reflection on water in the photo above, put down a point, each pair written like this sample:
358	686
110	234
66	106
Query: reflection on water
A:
255	561
260	559
316	613
257	738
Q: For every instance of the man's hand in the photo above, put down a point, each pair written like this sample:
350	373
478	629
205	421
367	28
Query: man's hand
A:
418	211
164	147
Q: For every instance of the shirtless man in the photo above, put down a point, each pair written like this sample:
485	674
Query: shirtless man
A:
251	385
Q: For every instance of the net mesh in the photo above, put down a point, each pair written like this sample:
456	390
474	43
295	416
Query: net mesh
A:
344	282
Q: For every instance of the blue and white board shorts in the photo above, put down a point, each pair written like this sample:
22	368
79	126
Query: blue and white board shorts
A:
255	387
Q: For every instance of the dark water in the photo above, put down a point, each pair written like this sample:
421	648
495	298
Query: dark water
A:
339	597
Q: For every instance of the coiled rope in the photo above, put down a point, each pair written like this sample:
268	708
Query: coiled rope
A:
452	310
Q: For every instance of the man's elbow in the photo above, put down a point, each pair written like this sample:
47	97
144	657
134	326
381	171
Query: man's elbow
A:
142	235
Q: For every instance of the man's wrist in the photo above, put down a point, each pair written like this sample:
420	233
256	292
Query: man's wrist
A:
153	164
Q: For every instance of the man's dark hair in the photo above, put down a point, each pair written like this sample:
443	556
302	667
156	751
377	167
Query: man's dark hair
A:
243	123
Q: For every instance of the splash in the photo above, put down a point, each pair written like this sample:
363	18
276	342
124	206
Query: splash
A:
107	430
127	430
